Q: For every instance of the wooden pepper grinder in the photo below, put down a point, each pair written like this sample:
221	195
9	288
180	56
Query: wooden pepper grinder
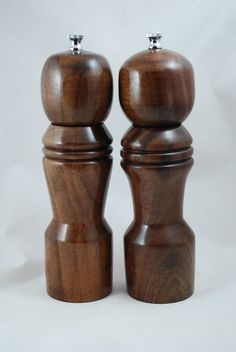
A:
156	89
76	88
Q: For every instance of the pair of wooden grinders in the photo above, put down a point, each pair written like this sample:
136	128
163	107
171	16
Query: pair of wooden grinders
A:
156	88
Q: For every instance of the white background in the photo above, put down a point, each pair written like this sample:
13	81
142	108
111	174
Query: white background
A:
204	32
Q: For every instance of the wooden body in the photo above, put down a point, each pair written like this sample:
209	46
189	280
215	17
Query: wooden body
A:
77	94
157	93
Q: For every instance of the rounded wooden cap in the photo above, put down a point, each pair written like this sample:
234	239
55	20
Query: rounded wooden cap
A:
156	87
76	87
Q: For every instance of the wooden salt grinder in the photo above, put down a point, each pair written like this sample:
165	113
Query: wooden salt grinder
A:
76	88
156	88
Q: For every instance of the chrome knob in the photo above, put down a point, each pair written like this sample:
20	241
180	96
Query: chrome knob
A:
75	40
155	40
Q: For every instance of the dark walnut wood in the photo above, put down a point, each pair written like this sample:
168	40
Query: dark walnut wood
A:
156	89
157	93
77	91
76	88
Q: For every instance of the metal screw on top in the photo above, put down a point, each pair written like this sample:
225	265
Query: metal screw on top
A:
75	40
155	40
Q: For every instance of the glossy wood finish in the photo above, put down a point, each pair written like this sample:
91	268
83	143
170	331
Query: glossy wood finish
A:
152	145
78	240
157	88
76	88
77	91
156	93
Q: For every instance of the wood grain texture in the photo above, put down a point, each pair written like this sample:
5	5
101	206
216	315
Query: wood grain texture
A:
157	93
76	88
78	240
76	94
159	245
156	88
151	146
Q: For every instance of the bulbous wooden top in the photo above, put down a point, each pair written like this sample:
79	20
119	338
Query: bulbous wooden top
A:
76	88
156	88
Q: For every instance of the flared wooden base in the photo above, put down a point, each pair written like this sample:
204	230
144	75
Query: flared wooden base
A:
77	271
162	269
